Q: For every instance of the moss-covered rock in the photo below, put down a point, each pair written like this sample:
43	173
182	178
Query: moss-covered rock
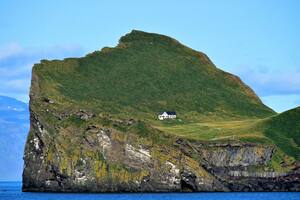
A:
93	125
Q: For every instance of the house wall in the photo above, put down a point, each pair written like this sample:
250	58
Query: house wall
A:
163	116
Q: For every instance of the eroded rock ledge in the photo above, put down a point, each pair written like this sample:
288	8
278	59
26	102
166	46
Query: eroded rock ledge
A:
111	161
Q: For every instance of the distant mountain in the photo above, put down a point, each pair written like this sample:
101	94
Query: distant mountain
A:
14	126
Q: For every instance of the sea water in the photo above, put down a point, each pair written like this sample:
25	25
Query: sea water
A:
12	191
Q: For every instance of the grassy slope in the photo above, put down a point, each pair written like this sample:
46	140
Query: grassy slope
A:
145	74
284	130
244	130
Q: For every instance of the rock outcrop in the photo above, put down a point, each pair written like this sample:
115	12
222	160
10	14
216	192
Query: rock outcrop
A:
108	160
92	125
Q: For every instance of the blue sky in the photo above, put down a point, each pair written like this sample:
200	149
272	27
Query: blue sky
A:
257	40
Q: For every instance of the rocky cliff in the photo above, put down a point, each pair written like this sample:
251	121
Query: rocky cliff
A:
85	138
108	160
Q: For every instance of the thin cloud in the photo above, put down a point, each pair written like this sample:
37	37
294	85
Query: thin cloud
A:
272	82
9	50
16	63
282	103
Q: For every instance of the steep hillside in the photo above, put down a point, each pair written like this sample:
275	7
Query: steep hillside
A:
284	130
148	73
94	126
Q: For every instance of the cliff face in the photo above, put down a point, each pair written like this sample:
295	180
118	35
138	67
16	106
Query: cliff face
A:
109	161
92	126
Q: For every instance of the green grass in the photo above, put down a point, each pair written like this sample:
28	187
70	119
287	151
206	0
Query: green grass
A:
245	130
284	130
148	73
278	158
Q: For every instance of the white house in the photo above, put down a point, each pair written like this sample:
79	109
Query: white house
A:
167	115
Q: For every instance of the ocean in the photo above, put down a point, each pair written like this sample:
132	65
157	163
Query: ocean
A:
12	191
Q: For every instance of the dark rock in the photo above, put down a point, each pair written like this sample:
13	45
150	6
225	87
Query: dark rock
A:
188	181
85	115
47	100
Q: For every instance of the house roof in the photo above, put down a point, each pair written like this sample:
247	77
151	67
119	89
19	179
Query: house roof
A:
171	113
168	112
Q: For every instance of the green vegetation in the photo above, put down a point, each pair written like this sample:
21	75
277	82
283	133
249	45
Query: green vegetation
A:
280	162
284	130
149	73
223	130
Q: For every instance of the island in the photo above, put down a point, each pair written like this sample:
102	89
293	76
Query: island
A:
94	125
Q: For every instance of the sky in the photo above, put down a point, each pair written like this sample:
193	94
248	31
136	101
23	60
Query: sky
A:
256	40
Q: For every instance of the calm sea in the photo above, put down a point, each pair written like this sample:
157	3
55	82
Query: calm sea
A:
12	191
